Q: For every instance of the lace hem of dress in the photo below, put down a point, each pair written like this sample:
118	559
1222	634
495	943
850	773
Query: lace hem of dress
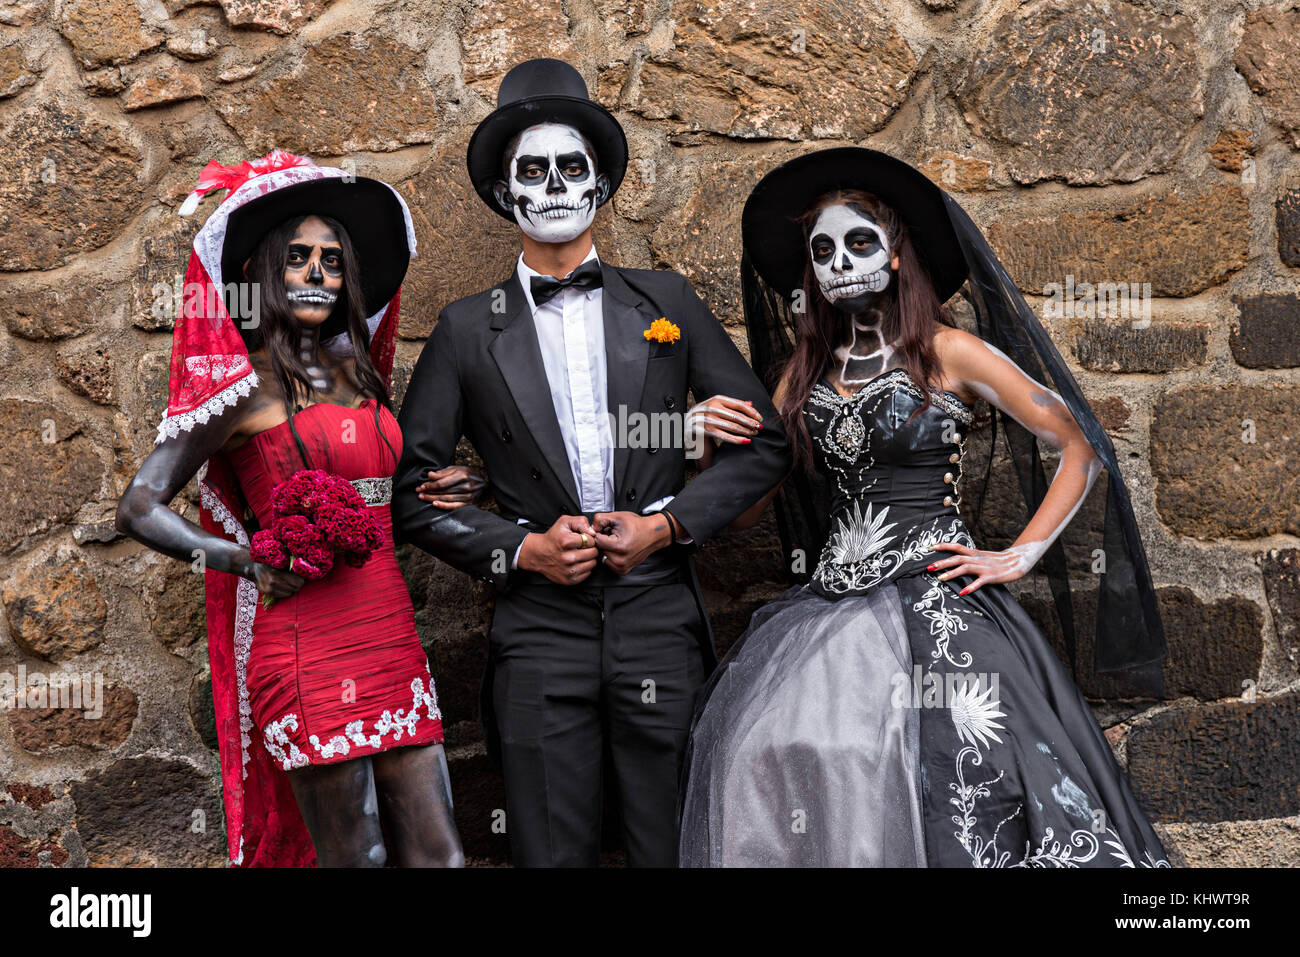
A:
857	555
375	490
395	724
173	425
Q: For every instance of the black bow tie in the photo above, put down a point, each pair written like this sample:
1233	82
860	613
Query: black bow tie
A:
586	276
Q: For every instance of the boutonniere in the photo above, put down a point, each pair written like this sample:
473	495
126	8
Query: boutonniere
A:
661	330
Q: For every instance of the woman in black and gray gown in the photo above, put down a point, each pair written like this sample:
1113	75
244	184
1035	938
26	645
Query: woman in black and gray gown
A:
902	709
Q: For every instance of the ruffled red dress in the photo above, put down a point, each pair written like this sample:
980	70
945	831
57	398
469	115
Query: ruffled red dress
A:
336	671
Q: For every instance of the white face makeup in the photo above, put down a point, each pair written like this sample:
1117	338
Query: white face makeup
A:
850	256
554	189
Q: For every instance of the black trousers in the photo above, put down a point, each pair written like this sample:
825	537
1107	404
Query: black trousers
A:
578	671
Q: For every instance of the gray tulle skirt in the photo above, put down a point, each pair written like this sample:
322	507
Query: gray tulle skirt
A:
798	760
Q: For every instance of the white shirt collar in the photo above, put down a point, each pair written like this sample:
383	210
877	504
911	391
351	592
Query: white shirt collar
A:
526	274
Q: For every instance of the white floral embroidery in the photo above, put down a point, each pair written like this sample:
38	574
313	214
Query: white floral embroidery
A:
859	540
1057	854
1121	853
398	724
858	536
1080	847
276	738
944	623
983	854
972	716
973	713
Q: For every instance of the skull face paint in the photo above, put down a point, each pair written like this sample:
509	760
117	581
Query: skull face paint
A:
554	189
313	272
850	257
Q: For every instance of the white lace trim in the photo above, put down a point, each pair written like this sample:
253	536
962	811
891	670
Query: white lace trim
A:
826	397
245	612
173	425
209	240
395	724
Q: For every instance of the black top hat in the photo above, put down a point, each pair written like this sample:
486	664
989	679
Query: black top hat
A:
543	91
773	238
368	210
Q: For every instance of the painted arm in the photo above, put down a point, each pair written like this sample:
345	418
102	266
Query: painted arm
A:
143	511
988	372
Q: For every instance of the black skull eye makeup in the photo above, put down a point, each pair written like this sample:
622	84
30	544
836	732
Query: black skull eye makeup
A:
573	166
529	169
862	242
331	258
822	247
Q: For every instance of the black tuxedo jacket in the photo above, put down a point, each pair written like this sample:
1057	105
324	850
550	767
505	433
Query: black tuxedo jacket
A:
481	375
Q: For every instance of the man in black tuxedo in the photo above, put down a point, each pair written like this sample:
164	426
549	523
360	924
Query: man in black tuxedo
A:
599	639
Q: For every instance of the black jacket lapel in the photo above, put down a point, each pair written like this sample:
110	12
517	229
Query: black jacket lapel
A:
519	357
627	353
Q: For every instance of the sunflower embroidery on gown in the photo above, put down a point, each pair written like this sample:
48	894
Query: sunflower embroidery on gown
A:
875	717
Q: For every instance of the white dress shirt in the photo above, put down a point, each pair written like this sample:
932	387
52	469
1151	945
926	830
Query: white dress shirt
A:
571	333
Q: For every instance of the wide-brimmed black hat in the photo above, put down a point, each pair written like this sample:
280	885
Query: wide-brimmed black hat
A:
774	239
368	209
543	91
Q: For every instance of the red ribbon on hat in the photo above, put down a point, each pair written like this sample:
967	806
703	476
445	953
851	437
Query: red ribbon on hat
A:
230	178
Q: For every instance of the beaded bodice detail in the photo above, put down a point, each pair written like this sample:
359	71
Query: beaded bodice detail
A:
895	479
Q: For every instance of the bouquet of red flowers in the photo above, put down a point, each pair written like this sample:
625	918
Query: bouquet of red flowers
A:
318	519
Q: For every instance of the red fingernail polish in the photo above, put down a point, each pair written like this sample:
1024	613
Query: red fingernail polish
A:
930	567
964	590
748	441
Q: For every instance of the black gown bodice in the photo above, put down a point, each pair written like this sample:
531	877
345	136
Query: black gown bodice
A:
894	479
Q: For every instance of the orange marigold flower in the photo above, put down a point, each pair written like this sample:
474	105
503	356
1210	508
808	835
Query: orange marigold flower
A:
661	330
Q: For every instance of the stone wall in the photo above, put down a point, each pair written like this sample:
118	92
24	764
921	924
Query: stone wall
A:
1148	142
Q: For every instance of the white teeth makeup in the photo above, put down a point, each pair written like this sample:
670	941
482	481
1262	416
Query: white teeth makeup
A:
850	255
320	297
553	189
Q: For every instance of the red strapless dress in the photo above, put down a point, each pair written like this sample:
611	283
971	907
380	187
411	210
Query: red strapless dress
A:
336	671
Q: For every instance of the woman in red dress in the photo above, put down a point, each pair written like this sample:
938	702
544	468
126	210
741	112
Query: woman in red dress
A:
330	733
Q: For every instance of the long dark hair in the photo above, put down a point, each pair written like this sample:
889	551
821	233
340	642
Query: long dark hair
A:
911	314
277	330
